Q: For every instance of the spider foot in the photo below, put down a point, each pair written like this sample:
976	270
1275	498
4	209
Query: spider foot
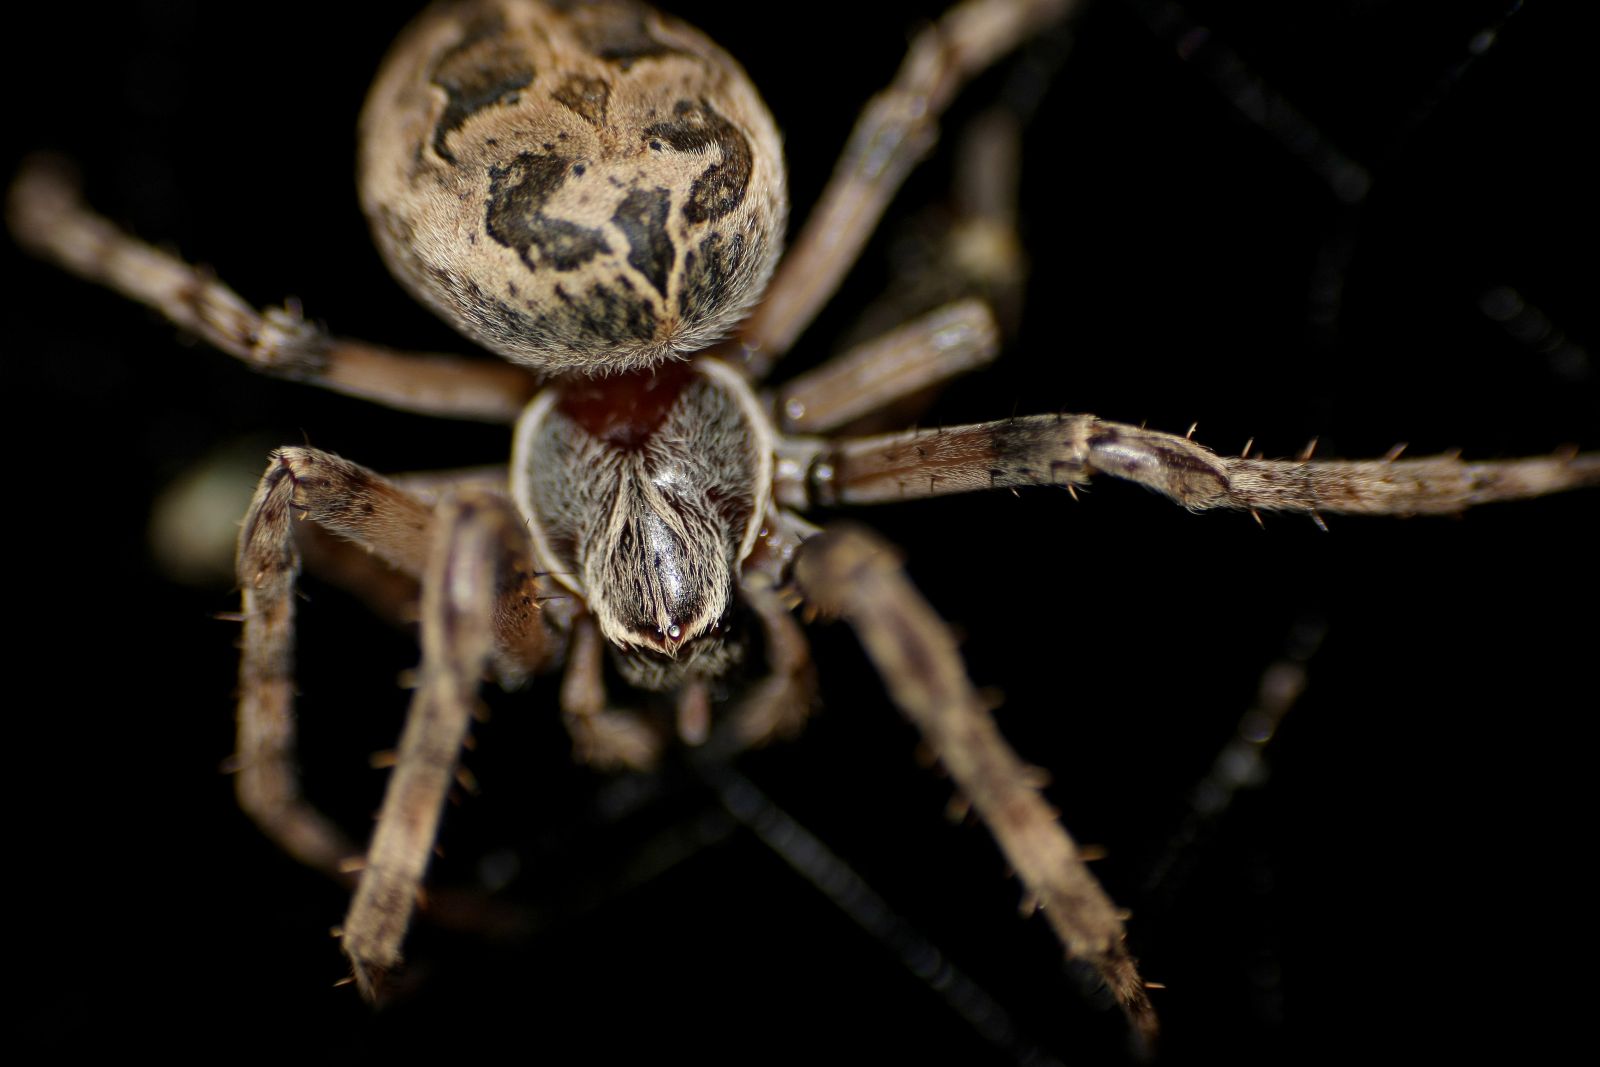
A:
371	980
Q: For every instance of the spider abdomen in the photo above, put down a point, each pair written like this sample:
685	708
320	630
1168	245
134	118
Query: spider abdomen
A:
579	188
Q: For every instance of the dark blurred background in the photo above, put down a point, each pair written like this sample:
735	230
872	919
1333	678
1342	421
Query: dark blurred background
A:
1398	247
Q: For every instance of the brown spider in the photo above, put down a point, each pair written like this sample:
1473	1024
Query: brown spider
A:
1015	695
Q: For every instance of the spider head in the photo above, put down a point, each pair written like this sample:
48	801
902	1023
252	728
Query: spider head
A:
643	494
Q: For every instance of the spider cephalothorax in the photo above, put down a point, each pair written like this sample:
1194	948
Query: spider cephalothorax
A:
645	492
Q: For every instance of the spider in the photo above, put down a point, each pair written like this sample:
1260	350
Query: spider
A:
1030	530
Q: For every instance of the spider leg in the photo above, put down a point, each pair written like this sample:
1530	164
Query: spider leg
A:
602	736
357	505
391	594
777	706
945	342
268	563
982	252
896	129
47	214
1069	449
956	290
847	571
431	485
1241	764
478	543
969	245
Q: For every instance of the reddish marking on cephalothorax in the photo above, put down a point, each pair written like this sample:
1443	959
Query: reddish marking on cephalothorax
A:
623	410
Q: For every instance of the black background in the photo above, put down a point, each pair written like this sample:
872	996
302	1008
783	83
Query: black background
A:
1411	876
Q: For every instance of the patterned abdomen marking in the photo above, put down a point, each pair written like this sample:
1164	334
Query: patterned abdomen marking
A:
589	188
